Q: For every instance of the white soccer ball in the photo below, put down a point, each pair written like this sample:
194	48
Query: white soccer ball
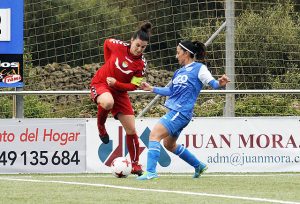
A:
120	167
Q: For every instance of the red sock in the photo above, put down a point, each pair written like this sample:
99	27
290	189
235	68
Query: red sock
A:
133	146
101	118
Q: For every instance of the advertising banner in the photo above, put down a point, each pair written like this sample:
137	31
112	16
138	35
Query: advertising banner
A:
224	144
42	146
11	43
11	70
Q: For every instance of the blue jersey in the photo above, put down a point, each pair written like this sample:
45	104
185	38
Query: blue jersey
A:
186	85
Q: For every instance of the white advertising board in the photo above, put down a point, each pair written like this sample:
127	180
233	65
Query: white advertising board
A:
42	145
224	144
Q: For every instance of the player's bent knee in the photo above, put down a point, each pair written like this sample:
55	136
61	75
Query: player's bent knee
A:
106	101
169	146
106	105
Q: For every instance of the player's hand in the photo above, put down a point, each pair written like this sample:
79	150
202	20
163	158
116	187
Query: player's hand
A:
223	80
110	81
146	87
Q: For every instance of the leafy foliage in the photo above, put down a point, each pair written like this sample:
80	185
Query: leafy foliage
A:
290	80
70	31
6	107
264	51
267	106
34	107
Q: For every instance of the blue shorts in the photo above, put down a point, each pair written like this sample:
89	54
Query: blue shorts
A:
174	122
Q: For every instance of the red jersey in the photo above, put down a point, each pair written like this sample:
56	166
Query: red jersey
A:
120	64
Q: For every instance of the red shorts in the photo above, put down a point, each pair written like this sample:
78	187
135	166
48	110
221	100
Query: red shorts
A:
122	102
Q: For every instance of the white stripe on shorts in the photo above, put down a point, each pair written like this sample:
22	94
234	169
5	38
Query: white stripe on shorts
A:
175	116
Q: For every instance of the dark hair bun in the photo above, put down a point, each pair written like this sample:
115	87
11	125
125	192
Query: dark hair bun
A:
144	32
146	27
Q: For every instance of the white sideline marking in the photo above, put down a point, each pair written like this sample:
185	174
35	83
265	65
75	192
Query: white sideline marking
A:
102	175
153	190
106	175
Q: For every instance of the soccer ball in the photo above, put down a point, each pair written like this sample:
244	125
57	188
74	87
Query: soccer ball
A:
120	167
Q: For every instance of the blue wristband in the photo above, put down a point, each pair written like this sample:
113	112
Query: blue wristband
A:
214	84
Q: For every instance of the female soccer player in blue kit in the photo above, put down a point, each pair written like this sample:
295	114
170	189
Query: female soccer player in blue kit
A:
187	83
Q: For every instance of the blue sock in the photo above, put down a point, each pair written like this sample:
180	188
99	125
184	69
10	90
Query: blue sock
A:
188	157
153	156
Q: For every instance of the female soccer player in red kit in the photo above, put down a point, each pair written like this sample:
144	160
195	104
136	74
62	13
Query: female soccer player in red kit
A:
123	71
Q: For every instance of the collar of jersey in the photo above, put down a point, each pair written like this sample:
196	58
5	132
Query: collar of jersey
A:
188	65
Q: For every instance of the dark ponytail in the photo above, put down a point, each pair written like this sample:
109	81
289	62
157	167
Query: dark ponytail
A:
200	51
144	32
195	48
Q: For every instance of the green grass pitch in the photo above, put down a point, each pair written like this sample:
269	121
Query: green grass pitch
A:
169	188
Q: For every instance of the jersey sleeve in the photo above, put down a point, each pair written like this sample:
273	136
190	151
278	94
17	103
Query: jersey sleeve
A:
204	75
109	46
163	91
124	86
214	84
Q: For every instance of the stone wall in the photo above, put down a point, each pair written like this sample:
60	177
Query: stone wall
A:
63	77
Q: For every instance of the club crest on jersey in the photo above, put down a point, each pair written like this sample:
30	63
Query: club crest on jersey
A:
125	64
119	68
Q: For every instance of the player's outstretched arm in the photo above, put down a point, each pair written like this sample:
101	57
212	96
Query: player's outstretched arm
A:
112	82
146	87
164	91
221	82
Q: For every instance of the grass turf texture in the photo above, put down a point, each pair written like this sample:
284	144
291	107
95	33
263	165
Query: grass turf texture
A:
104	188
